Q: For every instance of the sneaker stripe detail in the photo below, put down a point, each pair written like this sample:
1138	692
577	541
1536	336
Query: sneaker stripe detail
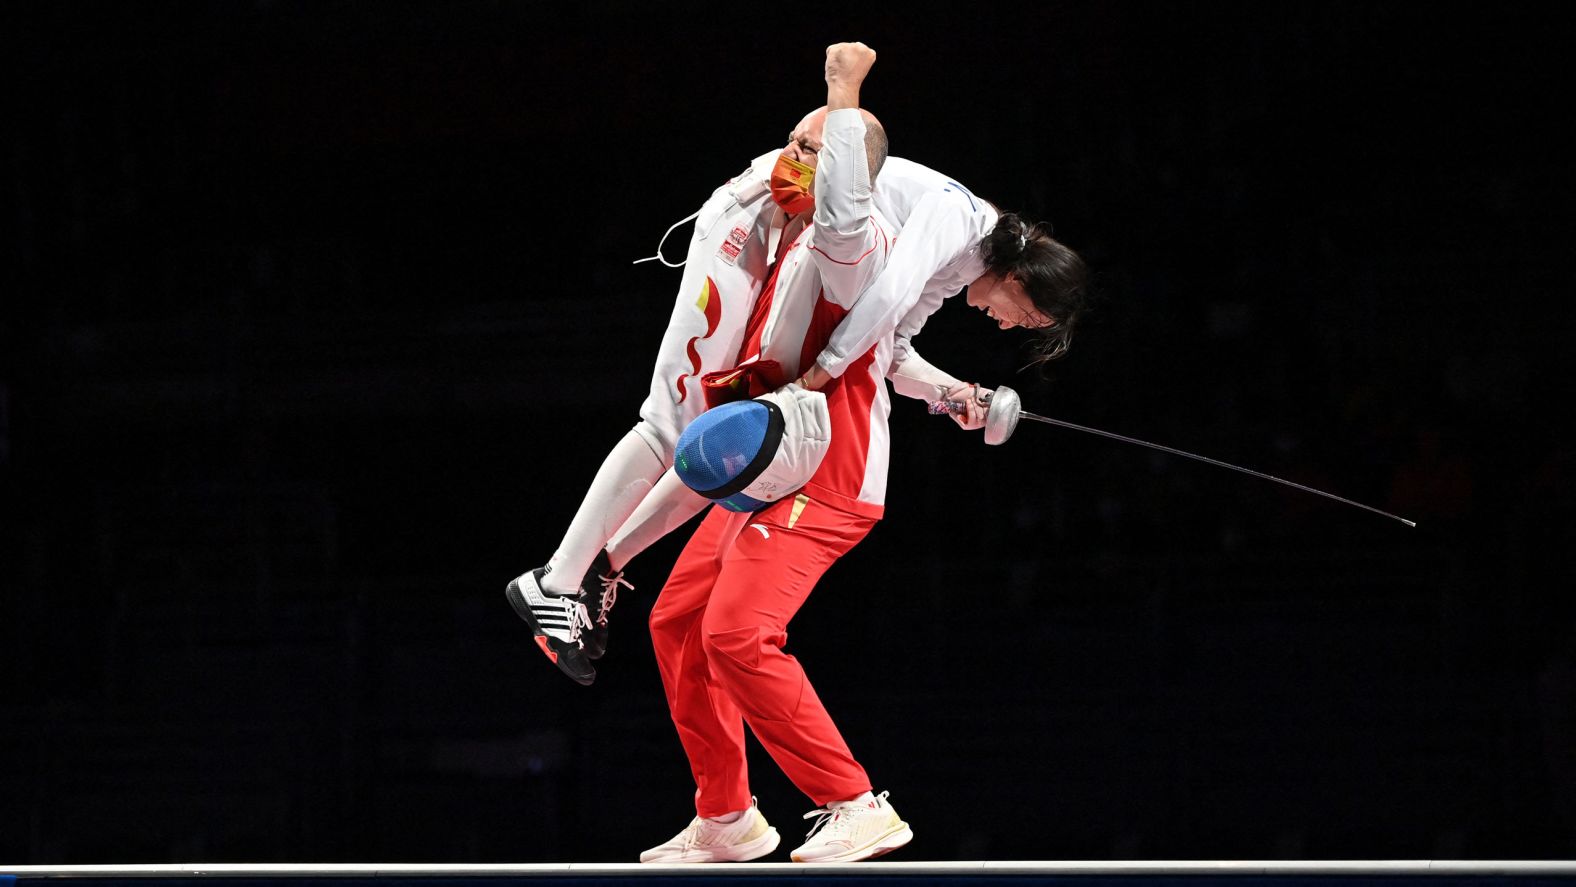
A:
555	627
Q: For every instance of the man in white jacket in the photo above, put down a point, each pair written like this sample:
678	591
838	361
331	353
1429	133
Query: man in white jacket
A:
739	235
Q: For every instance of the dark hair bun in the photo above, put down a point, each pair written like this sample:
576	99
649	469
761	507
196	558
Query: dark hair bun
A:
1054	277
1005	244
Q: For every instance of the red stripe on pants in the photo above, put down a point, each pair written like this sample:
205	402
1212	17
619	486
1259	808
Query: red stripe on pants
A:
718	629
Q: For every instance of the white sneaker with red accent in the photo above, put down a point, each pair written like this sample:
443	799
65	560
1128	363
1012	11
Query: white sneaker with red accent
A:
707	840
848	831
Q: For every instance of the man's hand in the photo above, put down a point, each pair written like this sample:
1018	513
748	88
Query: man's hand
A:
846	67
815	378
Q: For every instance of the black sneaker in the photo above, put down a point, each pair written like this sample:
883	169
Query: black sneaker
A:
599	591
556	621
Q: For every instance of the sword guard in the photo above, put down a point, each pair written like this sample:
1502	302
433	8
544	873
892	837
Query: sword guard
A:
1000	420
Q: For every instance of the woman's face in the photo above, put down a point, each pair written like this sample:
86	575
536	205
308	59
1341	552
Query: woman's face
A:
1003	300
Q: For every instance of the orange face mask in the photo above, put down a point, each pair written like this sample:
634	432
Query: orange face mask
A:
793	185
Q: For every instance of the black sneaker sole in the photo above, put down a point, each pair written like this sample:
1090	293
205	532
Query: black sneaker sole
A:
570	660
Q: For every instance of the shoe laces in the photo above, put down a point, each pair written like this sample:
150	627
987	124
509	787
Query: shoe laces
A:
610	584
579	618
831	816
703	832
691	834
700	827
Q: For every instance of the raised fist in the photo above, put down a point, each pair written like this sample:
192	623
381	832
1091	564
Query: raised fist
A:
848	63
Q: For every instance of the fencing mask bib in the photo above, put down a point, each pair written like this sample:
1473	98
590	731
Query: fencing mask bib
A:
748	454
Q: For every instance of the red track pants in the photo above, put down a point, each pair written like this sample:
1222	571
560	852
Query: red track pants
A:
719	627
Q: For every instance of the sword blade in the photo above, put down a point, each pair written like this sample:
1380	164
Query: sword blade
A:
1176	452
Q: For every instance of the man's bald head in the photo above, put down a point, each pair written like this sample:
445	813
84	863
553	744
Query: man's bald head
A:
804	143
875	143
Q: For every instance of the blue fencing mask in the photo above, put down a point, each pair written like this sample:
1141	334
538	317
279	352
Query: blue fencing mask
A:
748	454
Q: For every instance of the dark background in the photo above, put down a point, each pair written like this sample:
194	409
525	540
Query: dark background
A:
318	319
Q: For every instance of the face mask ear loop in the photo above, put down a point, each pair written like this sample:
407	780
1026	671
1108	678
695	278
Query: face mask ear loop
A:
658	257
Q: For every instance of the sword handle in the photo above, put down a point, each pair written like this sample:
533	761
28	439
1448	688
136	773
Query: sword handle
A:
944	407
